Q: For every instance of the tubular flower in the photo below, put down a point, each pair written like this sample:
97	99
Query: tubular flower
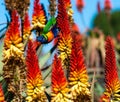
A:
14	66
35	90
75	28
68	6
36	44
38	17
64	43
26	27
13	46
80	4
76	36
112	84
2	99
62	20
13	41
64	47
107	5
59	82
104	98
78	78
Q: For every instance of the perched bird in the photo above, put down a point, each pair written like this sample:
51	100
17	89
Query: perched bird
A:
50	31
49	25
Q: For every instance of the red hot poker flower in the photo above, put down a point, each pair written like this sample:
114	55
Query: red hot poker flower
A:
13	32
80	4
68	7
13	44
78	78
110	66
107	5
76	36
67	3
62	19
38	17
65	39
26	27
112	82
59	82
34	72
35	90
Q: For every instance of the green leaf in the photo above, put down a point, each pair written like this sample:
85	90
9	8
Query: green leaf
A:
47	72
39	50
43	59
99	89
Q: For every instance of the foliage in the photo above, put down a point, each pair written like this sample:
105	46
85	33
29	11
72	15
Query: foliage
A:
108	23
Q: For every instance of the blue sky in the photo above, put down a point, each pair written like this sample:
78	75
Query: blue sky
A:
89	11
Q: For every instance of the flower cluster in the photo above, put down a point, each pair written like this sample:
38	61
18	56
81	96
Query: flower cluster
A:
65	40
112	84
14	67
35	90
38	17
78	78
59	82
26	27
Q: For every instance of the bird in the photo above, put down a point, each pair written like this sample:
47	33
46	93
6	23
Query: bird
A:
50	32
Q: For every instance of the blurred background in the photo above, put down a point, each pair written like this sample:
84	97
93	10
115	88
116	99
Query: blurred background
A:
93	21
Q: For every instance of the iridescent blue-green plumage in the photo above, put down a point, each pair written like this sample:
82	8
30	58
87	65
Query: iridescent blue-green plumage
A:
49	25
48	37
50	31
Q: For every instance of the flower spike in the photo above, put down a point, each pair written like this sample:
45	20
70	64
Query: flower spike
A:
13	32
13	44
76	36
62	19
38	17
14	70
107	5
26	27
64	41
112	82
80	4
35	90
78	78
67	3
68	6
59	82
